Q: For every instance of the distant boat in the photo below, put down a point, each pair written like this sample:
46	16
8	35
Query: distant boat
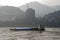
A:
24	28
39	28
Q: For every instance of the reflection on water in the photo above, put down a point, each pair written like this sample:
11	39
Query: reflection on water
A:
49	34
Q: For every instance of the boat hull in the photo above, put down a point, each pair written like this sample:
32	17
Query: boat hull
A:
24	29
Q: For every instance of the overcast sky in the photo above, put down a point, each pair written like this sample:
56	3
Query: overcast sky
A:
17	3
51	2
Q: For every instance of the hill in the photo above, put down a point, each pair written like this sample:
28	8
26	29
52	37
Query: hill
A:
56	8
40	9
9	13
52	19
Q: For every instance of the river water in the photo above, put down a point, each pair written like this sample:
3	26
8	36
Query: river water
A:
49	34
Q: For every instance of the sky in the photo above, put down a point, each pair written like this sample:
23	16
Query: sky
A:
17	3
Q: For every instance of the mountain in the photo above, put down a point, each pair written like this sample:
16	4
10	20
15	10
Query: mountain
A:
9	13
52	19
40	9
56	8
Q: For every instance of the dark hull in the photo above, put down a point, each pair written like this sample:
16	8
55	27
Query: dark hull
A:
36	29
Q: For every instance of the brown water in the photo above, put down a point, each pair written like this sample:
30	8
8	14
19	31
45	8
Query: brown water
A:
49	34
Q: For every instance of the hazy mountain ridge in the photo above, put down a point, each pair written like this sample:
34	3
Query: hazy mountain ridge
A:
52	19
8	13
40	9
56	8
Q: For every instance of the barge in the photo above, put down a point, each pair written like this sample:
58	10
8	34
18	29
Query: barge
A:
27	28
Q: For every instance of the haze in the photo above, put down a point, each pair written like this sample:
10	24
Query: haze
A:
17	3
